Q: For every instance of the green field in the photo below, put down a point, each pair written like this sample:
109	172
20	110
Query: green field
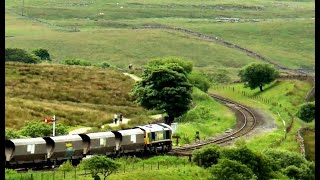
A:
98	30
285	97
282	31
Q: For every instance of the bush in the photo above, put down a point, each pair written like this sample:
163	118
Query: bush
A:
282	158
66	166
207	155
11	134
104	65
199	80
40	129
228	169
78	62
258	163
43	54
291	164
218	77
307	111
185	64
100	165
20	55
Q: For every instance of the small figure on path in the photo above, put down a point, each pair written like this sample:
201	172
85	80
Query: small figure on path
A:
197	137
115	116
130	66
121	116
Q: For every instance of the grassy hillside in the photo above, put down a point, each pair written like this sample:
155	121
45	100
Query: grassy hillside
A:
282	31
76	95
133	9
121	47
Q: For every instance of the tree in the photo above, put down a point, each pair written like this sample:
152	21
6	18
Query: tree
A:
257	75
43	54
40	129
208	155
20	55
100	164
185	64
307	111
199	80
165	88
227	169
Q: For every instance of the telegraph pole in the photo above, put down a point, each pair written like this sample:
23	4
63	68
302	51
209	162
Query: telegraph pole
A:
54	125
22	7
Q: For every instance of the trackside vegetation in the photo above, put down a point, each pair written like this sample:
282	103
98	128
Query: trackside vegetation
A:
242	162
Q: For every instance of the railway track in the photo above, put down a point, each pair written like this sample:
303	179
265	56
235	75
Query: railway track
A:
246	122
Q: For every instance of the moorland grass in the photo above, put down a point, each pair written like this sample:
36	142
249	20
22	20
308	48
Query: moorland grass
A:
85	96
288	93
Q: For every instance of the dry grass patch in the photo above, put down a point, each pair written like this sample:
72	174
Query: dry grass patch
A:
76	95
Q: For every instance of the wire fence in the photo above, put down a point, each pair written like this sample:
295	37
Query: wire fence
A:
253	96
76	173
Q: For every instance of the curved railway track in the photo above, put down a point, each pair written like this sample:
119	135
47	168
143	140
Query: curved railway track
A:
246	122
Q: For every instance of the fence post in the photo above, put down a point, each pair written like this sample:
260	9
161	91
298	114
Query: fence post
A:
31	176
75	173
41	176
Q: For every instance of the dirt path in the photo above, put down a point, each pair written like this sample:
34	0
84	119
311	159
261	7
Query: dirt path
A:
80	130
134	77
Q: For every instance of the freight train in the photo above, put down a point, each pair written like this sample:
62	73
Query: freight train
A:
48	151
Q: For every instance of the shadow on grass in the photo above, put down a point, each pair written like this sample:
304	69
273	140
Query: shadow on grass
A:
276	83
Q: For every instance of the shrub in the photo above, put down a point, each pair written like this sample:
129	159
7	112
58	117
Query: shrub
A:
40	129
66	166
291	164
20	55
11	134
43	54
199	80
258	163
207	155
282	158
104	65
228	169
100	165
307	111
78	62
221	76
294	172
185	64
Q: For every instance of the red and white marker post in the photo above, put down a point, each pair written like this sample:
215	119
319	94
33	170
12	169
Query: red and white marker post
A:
53	120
